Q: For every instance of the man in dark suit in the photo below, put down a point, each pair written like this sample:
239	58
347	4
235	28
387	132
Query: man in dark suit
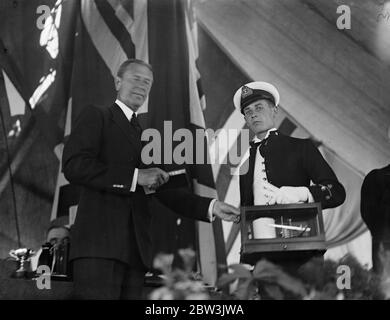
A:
110	239
281	168
375	211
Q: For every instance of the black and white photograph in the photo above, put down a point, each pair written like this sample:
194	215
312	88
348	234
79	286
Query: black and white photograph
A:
221	152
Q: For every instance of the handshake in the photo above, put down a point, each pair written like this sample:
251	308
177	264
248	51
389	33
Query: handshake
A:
153	178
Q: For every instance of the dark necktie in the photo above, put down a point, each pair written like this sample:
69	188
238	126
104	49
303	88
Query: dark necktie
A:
262	145
134	122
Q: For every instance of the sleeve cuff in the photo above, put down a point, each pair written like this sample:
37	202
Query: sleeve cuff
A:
134	182
210	215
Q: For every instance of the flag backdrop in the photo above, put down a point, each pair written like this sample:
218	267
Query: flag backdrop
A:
51	71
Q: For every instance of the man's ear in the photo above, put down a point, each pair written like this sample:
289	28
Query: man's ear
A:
246	120
117	83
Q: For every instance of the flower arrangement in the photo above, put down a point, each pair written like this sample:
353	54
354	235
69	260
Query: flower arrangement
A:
322	279
315	280
273	281
179	284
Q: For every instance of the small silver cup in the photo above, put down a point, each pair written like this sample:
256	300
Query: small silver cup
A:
22	257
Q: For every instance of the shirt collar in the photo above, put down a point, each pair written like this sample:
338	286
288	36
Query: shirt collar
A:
256	139
126	110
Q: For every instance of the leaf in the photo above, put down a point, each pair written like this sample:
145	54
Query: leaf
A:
226	279
291	284
264	265
245	289
268	272
274	292
241	271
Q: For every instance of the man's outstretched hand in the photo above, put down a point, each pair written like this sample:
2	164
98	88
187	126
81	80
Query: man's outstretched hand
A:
152	178
226	212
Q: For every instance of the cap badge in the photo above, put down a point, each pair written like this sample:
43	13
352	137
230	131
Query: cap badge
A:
246	91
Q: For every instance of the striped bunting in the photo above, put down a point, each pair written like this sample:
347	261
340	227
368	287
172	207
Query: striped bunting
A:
210	236
116	26
61	180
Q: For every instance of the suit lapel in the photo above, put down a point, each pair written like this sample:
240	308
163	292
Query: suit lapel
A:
120	119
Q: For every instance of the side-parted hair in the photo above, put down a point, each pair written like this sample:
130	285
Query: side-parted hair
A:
125	64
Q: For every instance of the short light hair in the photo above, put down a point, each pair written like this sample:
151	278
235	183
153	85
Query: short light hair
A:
128	62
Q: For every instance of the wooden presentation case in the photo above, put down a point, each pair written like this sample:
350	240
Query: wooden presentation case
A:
286	244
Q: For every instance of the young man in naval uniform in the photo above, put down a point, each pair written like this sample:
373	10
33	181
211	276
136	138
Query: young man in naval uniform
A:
282	169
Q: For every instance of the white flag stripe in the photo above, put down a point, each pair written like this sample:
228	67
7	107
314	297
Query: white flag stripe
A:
234	254
106	44
232	197
122	14
44	84
207	252
196	113
139	31
61	180
139	34
203	102
17	106
68	122
235	121
194	32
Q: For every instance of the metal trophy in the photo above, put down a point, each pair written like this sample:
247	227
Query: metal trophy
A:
22	257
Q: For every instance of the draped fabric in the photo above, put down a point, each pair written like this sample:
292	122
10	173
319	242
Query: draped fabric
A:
35	69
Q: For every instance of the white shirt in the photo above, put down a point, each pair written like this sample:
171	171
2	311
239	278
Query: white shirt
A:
129	113
259	175
126	110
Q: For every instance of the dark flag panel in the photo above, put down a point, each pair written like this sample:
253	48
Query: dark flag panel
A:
36	68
